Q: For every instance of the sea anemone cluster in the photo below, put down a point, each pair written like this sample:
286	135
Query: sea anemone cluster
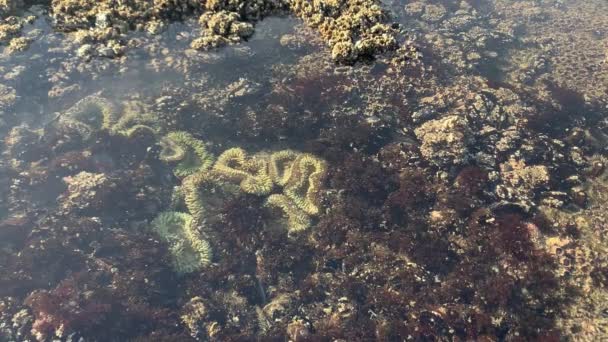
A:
300	175
188	152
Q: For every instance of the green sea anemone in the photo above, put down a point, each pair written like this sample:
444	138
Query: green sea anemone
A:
250	172
280	166
204	191
188	249
304	185
299	175
189	153
89	115
289	214
232	164
134	114
259	182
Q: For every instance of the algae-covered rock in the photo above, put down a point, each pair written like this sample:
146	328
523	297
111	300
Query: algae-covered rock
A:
221	28
88	191
445	141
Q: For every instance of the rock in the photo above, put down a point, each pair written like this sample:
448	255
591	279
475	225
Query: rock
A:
445	141
84	50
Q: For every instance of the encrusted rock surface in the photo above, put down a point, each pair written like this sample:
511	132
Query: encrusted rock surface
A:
445	141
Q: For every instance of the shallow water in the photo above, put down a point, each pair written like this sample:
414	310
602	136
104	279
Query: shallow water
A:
451	191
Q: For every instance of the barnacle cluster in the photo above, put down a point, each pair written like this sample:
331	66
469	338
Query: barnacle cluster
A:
221	28
445	140
11	27
352	29
188	249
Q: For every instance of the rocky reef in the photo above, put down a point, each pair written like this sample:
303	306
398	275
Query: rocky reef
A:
353	30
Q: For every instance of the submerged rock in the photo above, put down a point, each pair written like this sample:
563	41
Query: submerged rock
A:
445	141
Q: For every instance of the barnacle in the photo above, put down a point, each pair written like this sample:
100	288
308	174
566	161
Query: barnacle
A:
189	152
305	182
295	219
188	249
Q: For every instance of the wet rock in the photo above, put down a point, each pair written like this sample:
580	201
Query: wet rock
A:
88	191
445	141
85	50
221	28
433	13
521	183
